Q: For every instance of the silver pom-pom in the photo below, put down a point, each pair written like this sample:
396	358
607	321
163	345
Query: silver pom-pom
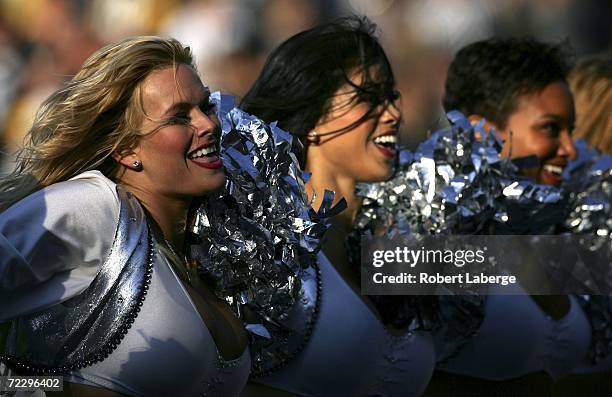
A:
589	188
256	242
457	183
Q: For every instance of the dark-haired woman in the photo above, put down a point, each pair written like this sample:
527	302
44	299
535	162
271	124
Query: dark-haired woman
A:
332	86
525	342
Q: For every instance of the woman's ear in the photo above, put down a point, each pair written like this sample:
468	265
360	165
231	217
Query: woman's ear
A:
128	159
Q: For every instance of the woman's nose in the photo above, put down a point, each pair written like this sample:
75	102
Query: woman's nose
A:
392	113
203	122
566	146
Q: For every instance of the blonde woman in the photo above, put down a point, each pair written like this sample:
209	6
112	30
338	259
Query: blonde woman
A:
591	83
93	281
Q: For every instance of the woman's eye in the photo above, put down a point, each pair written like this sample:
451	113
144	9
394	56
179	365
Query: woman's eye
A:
180	118
208	107
364	97
394	96
552	129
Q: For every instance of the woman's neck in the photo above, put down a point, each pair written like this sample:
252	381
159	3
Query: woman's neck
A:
169	213
343	187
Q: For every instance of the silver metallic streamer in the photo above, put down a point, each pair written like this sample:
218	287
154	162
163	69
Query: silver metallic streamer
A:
457	183
589	188
451	177
256	242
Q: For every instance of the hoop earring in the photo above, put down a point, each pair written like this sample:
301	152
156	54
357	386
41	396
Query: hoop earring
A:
313	138
137	165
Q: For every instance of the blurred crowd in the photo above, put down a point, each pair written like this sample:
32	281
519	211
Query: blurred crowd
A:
44	42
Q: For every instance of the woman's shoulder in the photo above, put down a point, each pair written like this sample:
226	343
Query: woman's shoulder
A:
86	198
66	227
80	212
87	188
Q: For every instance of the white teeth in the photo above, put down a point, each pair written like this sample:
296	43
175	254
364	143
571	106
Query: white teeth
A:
203	152
553	169
386	139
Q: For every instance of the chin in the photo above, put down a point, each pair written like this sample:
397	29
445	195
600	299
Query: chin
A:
214	184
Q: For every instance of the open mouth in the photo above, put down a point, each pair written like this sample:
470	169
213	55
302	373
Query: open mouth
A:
553	169
206	156
551	174
387	144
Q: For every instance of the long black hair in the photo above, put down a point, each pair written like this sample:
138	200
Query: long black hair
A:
300	79
301	76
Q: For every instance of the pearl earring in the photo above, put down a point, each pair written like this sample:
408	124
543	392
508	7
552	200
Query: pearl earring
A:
313	137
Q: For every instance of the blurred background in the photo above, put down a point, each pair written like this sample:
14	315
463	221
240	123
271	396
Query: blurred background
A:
44	42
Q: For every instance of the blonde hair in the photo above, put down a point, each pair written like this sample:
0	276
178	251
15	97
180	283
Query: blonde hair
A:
98	112
591	84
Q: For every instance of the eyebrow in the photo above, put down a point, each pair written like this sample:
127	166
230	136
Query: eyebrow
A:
557	117
571	123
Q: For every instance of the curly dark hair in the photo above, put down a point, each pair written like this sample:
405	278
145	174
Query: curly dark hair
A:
300	77
487	77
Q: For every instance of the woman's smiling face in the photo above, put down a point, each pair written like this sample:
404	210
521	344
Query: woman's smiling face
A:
541	125
179	149
365	152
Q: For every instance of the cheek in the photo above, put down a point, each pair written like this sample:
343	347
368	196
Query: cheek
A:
169	145
364	133
531	144
542	145
352	145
